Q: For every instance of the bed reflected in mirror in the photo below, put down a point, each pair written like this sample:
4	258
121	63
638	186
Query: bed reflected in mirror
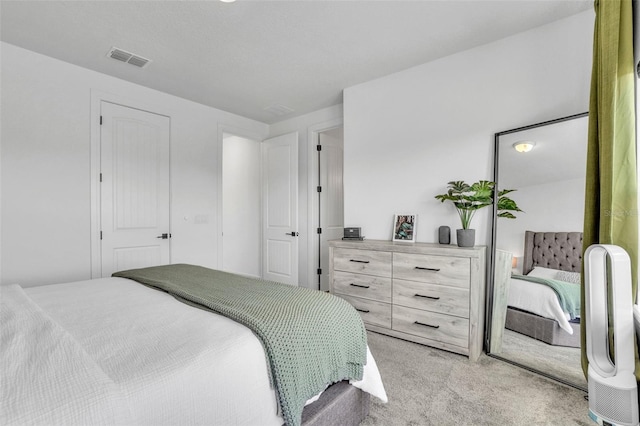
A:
534	297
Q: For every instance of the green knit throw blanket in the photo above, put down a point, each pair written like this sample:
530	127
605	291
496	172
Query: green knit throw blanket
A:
311	338
568	293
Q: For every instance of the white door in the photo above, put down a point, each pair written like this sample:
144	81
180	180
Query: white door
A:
280	208
331	197
134	190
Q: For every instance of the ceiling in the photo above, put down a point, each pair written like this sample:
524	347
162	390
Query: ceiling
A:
246	56
559	154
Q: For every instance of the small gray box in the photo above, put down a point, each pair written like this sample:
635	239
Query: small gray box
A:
444	235
352	233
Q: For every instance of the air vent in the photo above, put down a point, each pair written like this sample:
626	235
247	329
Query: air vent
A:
278	110
128	57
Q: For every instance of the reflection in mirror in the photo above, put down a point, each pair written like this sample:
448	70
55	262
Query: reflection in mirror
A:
537	256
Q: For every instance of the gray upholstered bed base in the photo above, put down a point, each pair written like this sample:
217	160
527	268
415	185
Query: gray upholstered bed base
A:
543	329
341	404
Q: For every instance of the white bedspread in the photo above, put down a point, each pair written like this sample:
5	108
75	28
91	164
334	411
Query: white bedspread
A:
538	299
74	391
111	351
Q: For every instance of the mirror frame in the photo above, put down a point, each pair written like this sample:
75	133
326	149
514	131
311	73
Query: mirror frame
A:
491	274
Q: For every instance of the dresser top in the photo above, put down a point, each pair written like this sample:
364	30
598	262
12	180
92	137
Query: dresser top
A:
418	248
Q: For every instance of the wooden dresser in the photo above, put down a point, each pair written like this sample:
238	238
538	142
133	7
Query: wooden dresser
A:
426	293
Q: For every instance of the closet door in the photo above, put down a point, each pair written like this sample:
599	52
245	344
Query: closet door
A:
134	190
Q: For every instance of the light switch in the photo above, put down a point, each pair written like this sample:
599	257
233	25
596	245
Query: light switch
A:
200	219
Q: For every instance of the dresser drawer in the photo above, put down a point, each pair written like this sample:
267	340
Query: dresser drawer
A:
362	261
444	270
421	292
372	312
442	328
366	286
431	297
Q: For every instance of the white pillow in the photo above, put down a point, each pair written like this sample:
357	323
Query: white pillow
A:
546	273
570	277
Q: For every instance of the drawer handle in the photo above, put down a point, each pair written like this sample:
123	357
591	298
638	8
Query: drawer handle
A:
428	269
426	325
358	261
358	285
427	297
366	311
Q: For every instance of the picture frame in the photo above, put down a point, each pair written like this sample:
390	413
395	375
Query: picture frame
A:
404	228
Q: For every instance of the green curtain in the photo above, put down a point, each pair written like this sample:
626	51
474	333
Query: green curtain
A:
611	206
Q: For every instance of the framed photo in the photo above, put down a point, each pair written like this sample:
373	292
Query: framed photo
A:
404	228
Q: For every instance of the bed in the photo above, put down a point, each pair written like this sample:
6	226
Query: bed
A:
533	308
116	351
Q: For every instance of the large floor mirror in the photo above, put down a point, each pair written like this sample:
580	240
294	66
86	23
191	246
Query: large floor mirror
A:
538	254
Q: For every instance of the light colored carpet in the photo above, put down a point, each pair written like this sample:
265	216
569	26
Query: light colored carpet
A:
427	386
559	361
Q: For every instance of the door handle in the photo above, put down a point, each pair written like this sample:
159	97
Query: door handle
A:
293	234
164	236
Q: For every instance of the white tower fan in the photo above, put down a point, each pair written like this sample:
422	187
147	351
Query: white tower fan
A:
613	392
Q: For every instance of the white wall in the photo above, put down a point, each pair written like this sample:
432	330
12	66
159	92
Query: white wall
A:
241	206
45	167
409	133
406	135
550	207
306	125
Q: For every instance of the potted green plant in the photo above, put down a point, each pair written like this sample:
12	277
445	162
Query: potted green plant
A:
468	199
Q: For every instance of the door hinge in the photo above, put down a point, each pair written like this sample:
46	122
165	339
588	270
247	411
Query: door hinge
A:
319	188
319	147
319	271
101	120
100	177
319	230
100	234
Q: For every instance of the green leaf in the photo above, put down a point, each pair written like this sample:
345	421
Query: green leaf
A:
467	199
508	204
505	191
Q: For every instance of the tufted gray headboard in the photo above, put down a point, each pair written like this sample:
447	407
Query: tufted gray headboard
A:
553	250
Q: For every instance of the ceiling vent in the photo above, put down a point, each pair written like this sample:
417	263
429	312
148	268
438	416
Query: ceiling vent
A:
128	57
278	110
